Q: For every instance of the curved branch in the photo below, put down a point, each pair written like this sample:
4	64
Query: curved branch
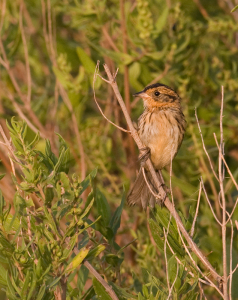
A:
159	187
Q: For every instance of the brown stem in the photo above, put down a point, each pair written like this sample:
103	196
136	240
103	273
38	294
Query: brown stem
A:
221	180
99	278
131	153
159	187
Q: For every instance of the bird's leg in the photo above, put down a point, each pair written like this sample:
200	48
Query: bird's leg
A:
145	154
161	179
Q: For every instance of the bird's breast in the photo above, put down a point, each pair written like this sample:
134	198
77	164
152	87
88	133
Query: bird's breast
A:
161	132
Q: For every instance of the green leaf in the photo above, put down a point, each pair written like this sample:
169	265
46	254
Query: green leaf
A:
2	204
161	21
10	287
41	292
54	282
95	252
113	260
26	283
100	290
87	209
134	73
51	221
185	186
2	175
87	62
70	247
234	9
156	235
121	293
116	218
82	278
77	260
103	207
34	141
3	273
86	182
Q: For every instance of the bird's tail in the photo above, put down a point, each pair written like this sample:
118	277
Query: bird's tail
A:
140	192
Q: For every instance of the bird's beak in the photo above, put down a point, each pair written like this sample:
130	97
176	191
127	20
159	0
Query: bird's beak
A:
141	95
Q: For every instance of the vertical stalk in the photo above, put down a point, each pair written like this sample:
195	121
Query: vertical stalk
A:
131	145
221	179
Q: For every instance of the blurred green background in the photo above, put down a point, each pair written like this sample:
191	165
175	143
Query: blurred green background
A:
49	51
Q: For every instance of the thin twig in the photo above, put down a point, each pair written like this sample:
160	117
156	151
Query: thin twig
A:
236	267
196	213
161	75
147	183
202	291
229	171
52	53
195	264
204	147
231	246
109	39
206	196
221	179
201	9
28	71
171	289
151	169
166	261
108	289
185	268
95	99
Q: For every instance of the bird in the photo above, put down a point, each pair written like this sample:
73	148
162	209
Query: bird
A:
161	128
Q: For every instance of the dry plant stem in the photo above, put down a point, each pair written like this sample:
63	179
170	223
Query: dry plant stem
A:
28	71
231	246
171	289
76	131
189	272
126	83
147	183
196	213
207	173
48	35
202	292
95	99
204	147
208	201
166	260
151	169
108	289
201	9
221	179
228	170
196	266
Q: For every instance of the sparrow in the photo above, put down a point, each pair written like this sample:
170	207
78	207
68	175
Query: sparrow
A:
161	128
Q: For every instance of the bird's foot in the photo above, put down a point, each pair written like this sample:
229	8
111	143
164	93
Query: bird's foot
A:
166	189
145	154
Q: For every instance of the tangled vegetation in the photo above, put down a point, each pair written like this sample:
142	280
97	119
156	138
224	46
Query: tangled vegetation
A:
65	229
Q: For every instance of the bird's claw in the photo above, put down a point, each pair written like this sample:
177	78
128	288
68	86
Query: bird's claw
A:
144	155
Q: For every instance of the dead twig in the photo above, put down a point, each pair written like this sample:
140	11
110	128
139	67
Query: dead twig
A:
208	201
95	99
150	167
204	147
196	213
221	180
99	278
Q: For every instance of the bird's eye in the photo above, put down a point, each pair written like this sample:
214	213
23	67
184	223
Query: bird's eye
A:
157	93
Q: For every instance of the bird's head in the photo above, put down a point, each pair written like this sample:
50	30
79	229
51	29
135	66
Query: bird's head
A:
159	95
